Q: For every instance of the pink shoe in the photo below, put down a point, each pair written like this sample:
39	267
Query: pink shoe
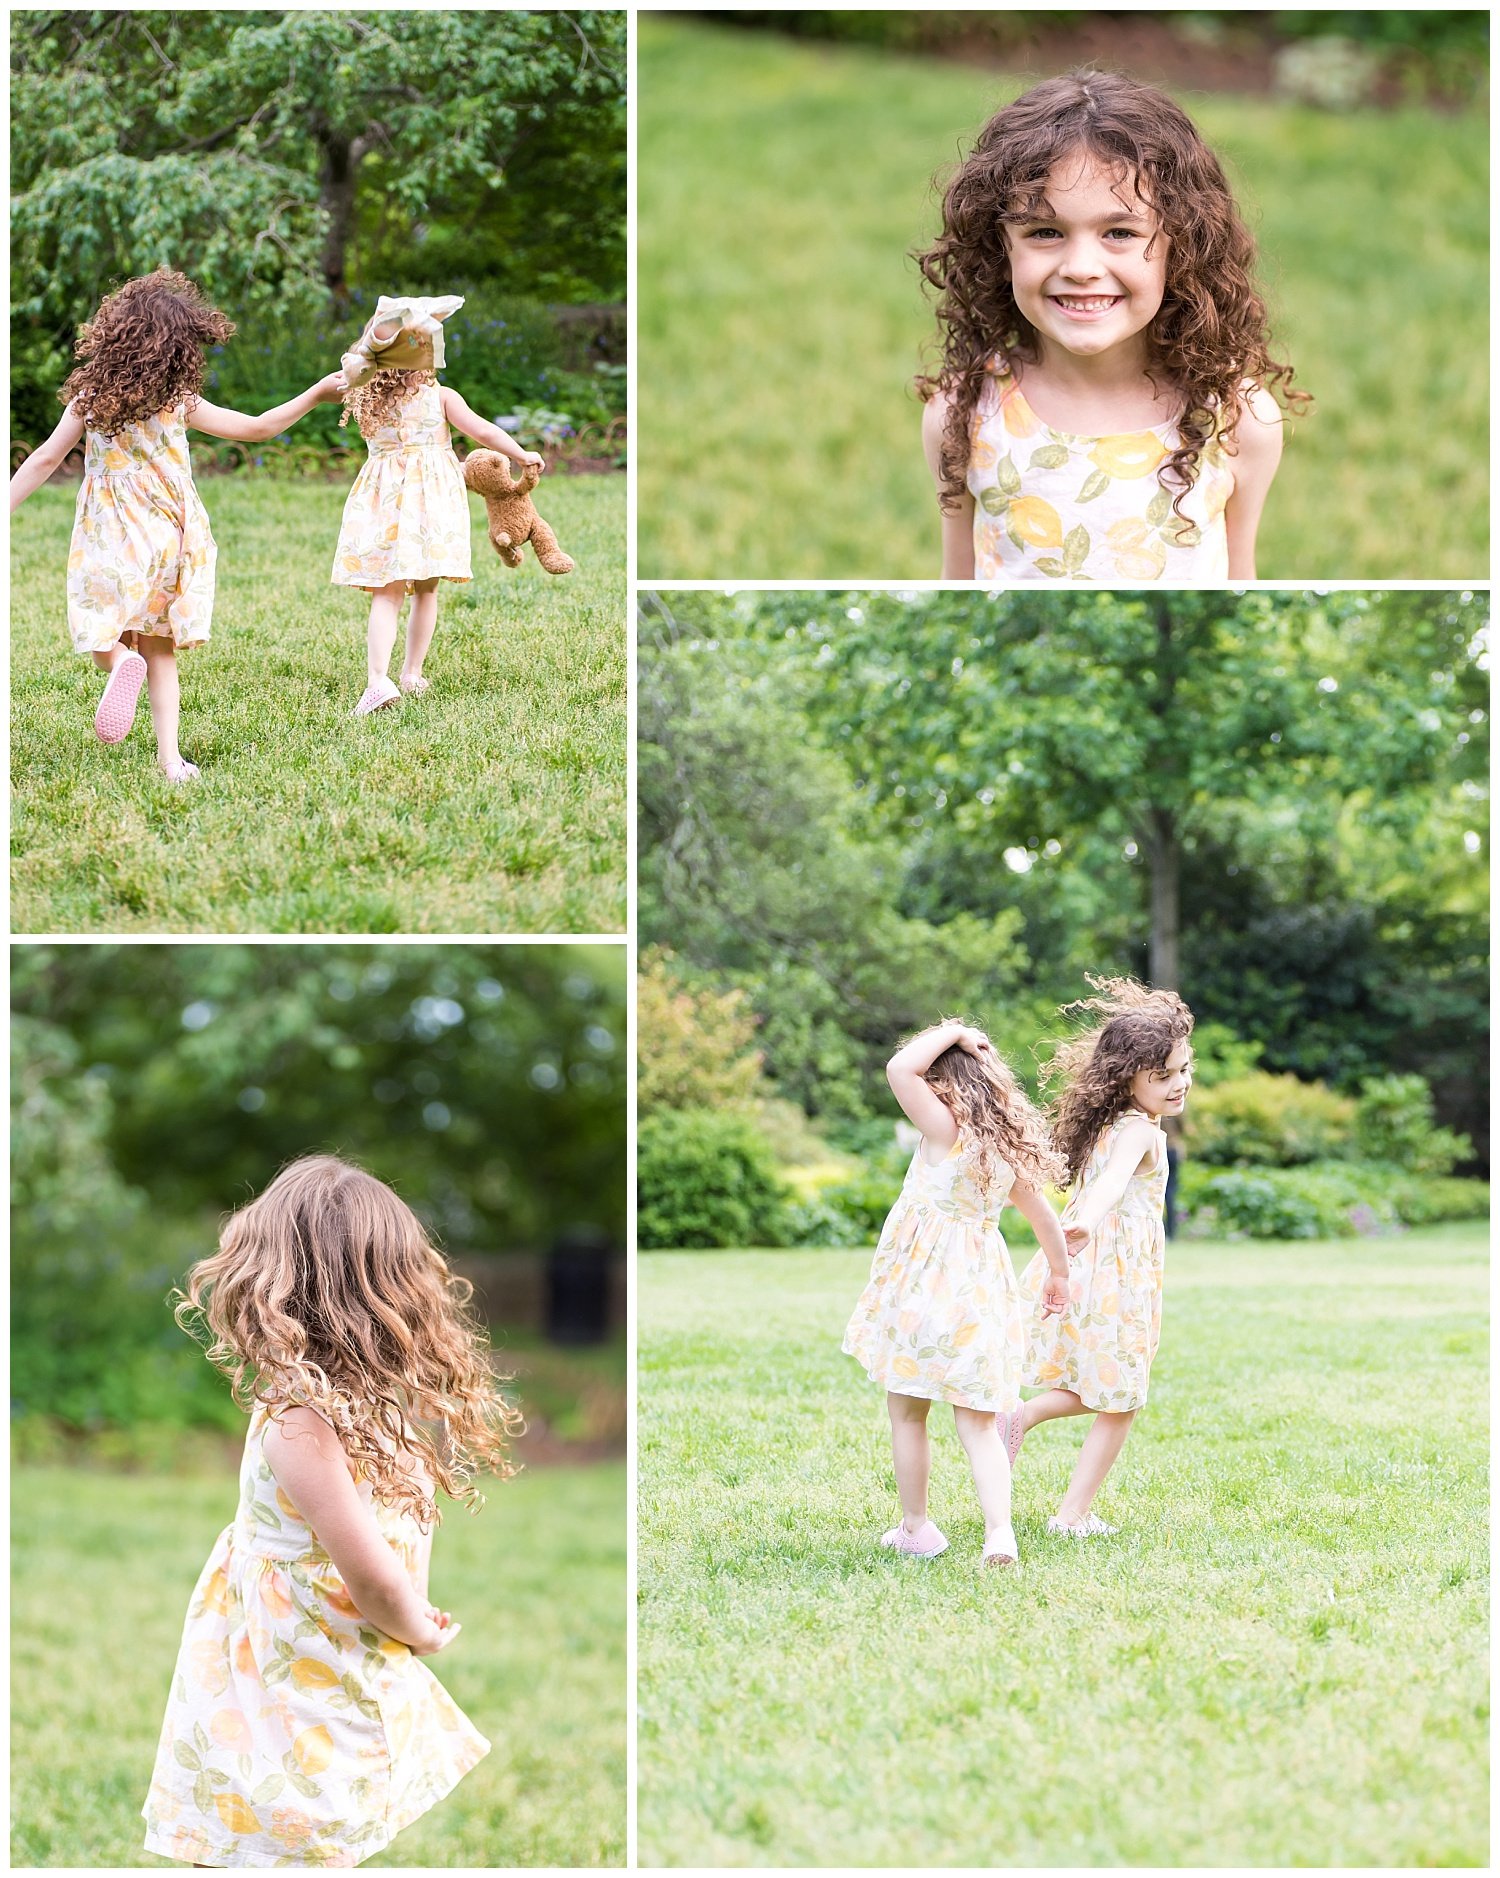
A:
180	770
925	1542
377	696
1011	1429
1001	1550
116	712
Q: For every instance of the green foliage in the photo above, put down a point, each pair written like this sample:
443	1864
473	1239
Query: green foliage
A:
496	803
705	1179
697	1044
1268	1121
1322	1200
865	1201
782	322
1394	1122
1221	1056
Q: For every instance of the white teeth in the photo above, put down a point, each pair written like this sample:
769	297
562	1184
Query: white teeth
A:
1086	306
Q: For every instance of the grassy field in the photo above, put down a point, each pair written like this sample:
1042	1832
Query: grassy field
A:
494	804
782	185
102	1568
1280	1661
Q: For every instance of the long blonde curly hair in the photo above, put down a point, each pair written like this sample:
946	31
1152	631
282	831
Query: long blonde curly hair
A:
995	1116
379	401
1091	1072
326	1291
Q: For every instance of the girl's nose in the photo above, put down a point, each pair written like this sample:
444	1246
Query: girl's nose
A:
1080	262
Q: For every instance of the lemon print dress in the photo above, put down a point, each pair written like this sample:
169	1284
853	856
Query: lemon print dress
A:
296	1733
1102	1345
407	516
142	555
940	1317
1049	505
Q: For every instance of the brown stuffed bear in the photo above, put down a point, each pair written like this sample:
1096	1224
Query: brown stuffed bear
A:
513	521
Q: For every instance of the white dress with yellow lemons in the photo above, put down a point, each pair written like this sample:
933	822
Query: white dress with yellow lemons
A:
1049	505
295	1733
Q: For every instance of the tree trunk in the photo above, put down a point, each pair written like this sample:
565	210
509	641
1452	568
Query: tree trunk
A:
1164	854
336	195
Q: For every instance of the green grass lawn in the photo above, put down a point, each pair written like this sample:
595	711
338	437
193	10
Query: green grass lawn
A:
494	804
781	186
102	1569
1280	1661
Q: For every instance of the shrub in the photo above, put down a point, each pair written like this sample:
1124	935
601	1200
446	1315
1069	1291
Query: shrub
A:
1220	1055
865	1201
1394	1122
705	1179
1329	1199
1261	1120
816	1223
697	1043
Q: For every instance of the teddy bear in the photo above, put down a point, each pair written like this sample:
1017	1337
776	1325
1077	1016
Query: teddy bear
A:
513	521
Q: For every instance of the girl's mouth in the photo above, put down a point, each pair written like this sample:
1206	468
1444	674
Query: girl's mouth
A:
1082	306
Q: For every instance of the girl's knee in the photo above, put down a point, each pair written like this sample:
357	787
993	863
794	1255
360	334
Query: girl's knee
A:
907	1408
973	1424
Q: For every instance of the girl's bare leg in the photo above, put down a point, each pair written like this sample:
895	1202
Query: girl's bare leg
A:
421	624
911	1454
380	640
1100	1450
164	692
107	661
1047	1406
990	1466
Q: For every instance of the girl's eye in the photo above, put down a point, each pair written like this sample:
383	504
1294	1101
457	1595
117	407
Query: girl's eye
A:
1127	234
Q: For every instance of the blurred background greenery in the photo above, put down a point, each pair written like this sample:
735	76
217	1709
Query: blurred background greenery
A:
297	164
786	171
157	1087
862	811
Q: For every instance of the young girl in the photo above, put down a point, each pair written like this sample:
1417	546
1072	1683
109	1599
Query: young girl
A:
1104	407
301	1729
141	565
406	522
1120	1082
940	1319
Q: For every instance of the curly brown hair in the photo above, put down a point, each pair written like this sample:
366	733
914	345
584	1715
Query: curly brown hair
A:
142	352
378	401
1209	336
995	1115
1093	1070
326	1291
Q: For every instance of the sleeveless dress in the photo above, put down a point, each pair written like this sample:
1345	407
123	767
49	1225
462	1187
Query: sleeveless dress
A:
142	556
1102	1345
940	1317
1050	505
407	516
296	1733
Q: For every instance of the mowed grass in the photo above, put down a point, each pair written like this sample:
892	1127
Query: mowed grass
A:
781	187
102	1569
494	804
1280	1660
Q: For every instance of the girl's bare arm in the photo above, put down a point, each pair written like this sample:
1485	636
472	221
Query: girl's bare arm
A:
907	1068
1257	438
1037	1210
240	427
1135	1144
481	431
310	1466
958	524
46	459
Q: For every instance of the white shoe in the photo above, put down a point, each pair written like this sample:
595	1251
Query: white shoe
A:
1001	1550
378	693
1091	1528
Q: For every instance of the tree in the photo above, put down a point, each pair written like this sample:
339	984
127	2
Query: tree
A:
234	145
1031	723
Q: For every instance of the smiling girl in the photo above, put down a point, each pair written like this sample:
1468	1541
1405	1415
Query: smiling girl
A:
1104	409
1118	1083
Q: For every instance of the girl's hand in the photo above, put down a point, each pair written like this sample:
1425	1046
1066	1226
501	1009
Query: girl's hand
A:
974	1042
1075	1239
442	1635
540	461
331	387
1054	1295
